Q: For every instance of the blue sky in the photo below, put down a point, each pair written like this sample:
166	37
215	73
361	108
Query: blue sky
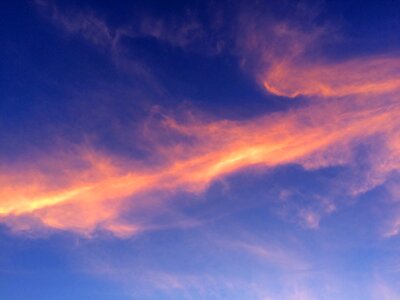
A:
200	150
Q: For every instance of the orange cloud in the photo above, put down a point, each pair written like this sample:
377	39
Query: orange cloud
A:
88	190
371	75
285	57
76	193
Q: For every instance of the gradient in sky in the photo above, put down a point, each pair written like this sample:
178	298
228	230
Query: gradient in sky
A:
200	150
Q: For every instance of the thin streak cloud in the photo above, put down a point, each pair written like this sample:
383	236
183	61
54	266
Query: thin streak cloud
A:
94	193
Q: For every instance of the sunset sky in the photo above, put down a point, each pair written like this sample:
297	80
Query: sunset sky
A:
240	150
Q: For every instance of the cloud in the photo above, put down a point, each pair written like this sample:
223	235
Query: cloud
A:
184	31
148	282
382	290
86	24
85	189
76	191
276	256
287	58
94	29
368	75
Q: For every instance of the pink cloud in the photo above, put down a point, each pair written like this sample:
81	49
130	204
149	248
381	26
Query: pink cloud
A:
86	189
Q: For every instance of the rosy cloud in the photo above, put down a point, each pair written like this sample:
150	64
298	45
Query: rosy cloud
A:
371	75
285	57
86	189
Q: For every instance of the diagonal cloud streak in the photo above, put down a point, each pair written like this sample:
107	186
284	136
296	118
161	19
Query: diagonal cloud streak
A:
89	189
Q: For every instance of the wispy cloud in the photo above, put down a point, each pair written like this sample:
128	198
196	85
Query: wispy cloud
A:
369	75
88	189
382	290
287	58
87	24
85	189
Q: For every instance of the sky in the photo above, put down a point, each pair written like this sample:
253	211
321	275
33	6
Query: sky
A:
243	150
